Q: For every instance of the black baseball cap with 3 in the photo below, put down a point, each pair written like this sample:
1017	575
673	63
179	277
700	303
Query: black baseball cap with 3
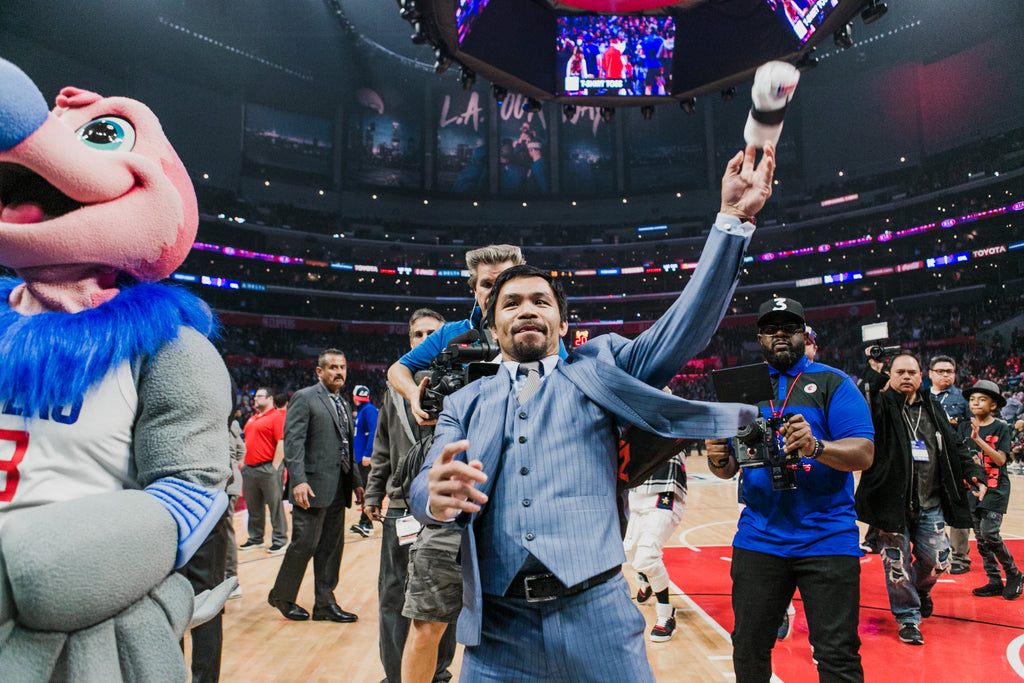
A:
780	309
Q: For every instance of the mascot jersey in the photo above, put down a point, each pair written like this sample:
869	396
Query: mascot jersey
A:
72	451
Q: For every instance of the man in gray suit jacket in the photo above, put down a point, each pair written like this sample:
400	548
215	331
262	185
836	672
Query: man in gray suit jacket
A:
322	479
526	463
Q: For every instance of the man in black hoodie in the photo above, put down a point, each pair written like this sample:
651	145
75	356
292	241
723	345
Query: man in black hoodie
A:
918	483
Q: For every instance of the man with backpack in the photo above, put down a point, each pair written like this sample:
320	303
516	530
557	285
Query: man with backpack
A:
397	434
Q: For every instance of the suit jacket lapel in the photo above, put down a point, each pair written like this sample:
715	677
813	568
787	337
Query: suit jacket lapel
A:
325	397
487	432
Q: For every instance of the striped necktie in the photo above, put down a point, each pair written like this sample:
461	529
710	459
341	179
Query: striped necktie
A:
532	382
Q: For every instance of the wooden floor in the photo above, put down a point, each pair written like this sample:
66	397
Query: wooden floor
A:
260	645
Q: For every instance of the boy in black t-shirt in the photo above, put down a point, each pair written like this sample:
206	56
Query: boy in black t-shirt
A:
988	439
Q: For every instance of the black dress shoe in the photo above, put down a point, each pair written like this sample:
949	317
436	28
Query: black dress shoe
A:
333	613
289	610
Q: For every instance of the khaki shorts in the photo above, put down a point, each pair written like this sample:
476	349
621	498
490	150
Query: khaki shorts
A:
433	591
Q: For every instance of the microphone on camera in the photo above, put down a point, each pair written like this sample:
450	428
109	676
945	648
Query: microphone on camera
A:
467	337
774	85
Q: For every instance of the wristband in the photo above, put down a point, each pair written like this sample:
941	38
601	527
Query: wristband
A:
819	448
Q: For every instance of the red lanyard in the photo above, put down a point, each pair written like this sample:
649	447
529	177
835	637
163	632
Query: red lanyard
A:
782	410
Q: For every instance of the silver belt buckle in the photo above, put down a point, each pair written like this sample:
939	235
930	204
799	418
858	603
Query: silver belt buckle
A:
528	590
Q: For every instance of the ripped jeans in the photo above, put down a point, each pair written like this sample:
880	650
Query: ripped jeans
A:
909	573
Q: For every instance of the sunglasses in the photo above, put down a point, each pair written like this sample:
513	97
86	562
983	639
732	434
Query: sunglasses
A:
789	329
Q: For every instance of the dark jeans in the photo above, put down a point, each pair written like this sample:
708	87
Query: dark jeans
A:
364	519
317	533
763	585
991	547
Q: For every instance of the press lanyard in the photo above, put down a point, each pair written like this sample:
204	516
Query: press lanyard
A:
913	435
782	410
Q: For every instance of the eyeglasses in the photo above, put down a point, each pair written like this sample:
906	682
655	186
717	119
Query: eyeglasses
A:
789	329
943	371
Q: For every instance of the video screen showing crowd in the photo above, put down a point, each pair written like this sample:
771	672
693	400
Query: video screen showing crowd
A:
615	55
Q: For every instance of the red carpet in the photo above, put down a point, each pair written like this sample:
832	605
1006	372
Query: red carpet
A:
967	639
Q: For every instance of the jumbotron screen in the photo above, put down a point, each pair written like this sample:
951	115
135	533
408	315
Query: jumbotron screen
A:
628	56
802	16
466	13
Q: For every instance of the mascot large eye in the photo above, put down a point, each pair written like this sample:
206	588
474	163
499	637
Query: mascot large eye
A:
108	133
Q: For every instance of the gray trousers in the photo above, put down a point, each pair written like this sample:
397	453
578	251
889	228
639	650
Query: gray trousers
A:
263	485
960	542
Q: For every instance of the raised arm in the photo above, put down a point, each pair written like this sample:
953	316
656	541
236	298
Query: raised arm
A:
686	328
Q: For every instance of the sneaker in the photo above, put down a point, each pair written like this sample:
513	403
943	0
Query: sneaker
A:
666	626
275	549
368	528
869	548
644	593
251	544
784	631
1014	584
911	634
927	606
237	593
991	589
960	568
356	529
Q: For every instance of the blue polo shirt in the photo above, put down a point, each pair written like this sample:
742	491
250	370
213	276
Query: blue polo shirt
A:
817	518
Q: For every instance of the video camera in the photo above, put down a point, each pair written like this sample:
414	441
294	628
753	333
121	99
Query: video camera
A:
876	332
877	352
758	446
455	367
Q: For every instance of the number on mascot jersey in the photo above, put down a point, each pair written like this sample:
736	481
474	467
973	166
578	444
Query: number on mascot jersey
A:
9	466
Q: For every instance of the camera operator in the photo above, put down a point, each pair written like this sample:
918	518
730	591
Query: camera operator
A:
916	485
806	537
484	265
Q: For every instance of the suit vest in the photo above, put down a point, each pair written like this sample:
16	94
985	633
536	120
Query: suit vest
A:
554	495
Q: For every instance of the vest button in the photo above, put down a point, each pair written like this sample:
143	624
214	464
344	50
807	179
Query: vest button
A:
524	471
526	502
529	536
522	439
522	415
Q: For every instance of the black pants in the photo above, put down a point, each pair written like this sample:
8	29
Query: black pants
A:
763	585
317	533
394	570
205	571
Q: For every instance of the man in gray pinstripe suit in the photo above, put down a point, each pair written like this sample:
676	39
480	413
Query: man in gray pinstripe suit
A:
525	462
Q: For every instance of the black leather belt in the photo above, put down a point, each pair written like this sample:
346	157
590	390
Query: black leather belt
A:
546	586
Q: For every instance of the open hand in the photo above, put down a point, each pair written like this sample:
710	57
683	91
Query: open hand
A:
745	188
451	483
